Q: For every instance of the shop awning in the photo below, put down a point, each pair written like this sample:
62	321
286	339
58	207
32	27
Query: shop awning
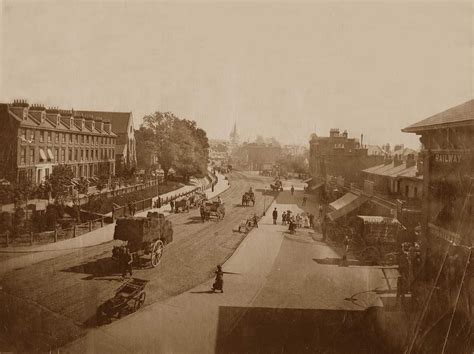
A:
369	219
346	204
50	154
42	154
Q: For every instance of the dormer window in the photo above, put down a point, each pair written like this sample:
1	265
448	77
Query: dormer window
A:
58	120
43	116
25	113
83	123
93	125
71	124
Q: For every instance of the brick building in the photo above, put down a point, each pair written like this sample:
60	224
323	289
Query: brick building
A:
35	139
339	156
258	155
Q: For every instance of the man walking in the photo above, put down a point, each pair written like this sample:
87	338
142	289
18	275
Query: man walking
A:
283	218
304	200
292	190
275	216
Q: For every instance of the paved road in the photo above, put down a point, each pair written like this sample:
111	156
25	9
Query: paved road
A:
53	302
288	294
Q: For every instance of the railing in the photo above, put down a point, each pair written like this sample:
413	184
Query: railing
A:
60	234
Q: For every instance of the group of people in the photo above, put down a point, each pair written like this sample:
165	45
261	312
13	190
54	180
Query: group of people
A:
301	220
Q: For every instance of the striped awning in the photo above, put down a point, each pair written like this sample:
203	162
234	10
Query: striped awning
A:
42	154
50	154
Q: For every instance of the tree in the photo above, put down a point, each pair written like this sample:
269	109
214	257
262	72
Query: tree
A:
178	143
59	183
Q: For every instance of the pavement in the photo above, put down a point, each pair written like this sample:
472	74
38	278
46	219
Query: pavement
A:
282	292
18	257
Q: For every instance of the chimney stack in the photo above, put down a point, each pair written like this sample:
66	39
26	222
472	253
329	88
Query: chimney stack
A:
107	126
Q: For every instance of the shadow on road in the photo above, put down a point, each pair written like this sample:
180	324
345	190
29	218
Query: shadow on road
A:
202	292
194	220
337	261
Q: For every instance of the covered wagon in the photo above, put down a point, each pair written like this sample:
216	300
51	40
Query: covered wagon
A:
143	236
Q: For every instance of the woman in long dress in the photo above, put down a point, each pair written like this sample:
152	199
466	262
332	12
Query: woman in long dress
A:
219	282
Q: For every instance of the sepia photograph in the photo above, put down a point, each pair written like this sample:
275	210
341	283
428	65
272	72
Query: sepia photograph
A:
314	159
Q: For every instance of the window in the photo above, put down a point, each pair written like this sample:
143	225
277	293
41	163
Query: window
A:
407	190
46	171
82	154
70	154
42	136
70	137
64	137
56	153
87	154
48	137
63	155
415	192
23	133
87	139
32	135
56	137
23	156
76	154
32	155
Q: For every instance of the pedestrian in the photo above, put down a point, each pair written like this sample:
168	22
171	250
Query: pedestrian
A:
126	262
219	281
283	218
311	221
255	220
292	190
304	200
346	247
219	199
172	205
320	211
275	216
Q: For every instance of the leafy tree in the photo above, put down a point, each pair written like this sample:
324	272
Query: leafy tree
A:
59	183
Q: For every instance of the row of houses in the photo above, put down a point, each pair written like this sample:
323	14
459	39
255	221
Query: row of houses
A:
34	139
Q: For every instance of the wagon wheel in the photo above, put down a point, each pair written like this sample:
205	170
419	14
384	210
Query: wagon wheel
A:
370	255
156	253
140	301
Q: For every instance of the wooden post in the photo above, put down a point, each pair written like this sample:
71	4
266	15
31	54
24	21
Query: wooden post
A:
74	231
90	226
56	234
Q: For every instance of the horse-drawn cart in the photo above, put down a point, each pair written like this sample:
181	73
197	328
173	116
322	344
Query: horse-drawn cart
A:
277	186
182	205
129	297
376	239
143	236
212	209
247	198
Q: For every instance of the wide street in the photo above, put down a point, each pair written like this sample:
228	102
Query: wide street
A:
53	302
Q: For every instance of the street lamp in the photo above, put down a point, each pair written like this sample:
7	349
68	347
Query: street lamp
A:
158	189
264	200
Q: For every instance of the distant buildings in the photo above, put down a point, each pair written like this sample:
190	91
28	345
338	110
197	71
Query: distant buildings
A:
35	139
259	156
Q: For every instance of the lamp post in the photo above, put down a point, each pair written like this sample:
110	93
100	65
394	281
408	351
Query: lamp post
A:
158	189
264	200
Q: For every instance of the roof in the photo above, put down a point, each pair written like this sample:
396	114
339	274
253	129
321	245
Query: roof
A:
405	152
390	170
119	120
375	150
346	204
460	115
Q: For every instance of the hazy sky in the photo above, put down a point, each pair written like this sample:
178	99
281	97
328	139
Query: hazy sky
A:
278	69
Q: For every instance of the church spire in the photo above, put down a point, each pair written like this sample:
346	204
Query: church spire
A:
234	136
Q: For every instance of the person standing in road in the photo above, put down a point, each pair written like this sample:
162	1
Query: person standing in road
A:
292	190
320	211
255	220
172	205
275	216
311	221
304	201
283	218
219	282
126	262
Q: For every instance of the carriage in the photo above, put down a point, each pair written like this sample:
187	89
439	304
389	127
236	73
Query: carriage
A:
143	236
212	209
247	198
277	186
373	239
247	225
129	297
182	205
196	199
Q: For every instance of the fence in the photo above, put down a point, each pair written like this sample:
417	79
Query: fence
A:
79	229
53	236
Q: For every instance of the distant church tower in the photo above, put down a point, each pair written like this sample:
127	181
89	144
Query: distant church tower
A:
234	136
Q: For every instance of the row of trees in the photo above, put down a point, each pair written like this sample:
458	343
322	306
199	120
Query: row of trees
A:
177	143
